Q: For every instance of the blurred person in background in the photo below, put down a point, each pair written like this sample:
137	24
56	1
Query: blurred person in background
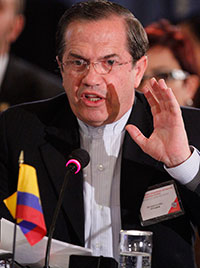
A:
170	56
20	81
190	26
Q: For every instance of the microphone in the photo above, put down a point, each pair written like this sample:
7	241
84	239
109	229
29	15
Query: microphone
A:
78	159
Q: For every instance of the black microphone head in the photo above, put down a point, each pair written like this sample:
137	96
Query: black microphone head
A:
81	156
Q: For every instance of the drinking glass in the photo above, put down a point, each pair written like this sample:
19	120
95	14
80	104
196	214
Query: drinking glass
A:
135	249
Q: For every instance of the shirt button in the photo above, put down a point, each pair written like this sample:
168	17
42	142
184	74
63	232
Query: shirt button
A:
100	167
100	131
98	245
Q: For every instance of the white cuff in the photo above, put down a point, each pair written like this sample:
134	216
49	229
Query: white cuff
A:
185	172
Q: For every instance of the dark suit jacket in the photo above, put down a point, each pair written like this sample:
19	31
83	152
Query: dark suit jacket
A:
48	132
24	82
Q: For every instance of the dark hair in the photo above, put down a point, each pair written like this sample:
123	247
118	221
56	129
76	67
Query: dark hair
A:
193	21
165	34
195	25
97	10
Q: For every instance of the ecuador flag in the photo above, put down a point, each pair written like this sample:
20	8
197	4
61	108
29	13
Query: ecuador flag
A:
24	205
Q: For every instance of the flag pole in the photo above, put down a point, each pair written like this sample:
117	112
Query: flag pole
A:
14	244
21	161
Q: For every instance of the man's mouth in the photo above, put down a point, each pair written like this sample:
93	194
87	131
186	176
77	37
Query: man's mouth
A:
92	97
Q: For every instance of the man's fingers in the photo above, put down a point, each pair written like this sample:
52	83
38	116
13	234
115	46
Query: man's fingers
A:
156	89
137	135
163	94
171	103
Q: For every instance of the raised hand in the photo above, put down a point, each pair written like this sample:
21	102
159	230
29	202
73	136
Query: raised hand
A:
168	142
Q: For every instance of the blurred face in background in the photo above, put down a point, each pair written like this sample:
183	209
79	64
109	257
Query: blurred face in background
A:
11	24
163	64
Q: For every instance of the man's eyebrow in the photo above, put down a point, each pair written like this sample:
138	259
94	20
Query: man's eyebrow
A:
77	56
110	56
74	55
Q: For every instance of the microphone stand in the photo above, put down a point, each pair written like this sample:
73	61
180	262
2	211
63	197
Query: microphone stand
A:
72	169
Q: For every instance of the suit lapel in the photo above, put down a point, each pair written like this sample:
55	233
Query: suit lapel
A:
137	166
62	138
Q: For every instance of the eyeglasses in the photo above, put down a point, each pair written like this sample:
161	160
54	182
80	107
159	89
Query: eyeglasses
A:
175	74
101	67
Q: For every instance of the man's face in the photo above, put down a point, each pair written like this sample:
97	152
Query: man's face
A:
7	15
99	99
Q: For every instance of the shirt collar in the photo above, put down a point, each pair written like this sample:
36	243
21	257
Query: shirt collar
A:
106	130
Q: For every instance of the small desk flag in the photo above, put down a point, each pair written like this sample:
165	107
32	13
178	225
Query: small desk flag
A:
24	205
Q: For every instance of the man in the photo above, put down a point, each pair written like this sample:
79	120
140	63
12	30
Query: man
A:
19	80
101	50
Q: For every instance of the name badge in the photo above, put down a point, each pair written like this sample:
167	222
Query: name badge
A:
161	202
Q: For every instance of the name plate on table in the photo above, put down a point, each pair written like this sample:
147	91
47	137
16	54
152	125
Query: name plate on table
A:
161	202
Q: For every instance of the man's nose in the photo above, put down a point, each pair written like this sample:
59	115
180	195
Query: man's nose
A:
91	77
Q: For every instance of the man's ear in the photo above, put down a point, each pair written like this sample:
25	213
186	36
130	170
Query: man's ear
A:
140	68
59	64
17	27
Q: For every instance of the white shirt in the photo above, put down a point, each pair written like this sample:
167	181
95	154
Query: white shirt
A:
185	172
102	184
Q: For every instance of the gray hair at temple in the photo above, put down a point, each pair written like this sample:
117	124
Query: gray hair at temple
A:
137	40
